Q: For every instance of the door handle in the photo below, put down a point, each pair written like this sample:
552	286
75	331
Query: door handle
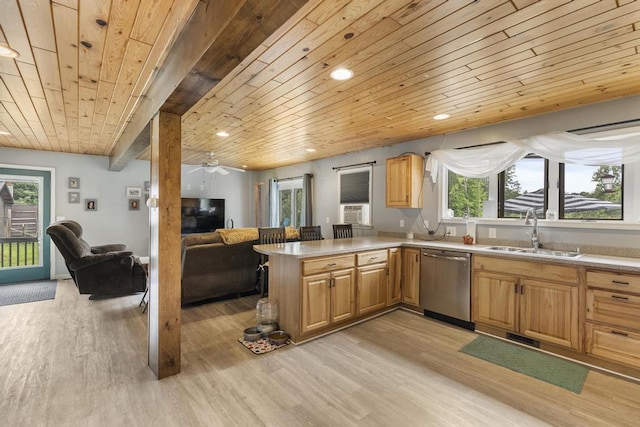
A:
618	297
451	258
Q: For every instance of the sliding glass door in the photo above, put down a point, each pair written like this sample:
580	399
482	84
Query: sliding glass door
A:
25	206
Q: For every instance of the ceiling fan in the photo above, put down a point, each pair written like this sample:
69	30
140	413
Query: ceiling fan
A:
213	166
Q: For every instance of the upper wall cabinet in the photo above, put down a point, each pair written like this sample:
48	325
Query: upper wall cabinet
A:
404	181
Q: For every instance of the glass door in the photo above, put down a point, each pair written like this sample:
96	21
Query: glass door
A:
25	212
290	202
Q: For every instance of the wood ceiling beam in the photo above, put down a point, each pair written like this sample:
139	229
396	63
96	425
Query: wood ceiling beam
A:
219	35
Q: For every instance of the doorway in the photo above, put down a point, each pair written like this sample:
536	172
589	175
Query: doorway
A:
25	212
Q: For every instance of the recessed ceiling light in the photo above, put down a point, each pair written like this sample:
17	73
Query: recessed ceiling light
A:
311	150
222	133
440	117
341	74
7	52
4	132
244	166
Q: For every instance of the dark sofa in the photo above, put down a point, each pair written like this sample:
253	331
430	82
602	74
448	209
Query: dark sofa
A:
213	269
222	263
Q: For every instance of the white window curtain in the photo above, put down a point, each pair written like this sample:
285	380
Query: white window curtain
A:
273	202
476	162
562	147
566	147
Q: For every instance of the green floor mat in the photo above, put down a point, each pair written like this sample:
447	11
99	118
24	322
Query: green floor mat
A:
554	370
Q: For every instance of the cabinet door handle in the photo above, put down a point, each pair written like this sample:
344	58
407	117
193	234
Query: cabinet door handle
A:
521	289
624	334
332	283
618	297
417	258
620	283
515	287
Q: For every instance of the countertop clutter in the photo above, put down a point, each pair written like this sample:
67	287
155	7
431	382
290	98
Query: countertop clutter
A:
337	246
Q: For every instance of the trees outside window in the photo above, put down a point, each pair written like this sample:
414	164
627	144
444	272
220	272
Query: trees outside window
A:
523	186
583	194
467	195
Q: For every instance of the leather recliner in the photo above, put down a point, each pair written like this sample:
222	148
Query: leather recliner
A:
102	271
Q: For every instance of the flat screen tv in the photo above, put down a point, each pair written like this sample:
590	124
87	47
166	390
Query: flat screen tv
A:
202	215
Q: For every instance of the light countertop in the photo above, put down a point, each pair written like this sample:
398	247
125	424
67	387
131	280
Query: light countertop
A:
318	248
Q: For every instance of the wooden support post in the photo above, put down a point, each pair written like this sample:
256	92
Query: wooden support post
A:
164	251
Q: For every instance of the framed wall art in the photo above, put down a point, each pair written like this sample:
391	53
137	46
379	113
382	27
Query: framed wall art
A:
134	192
73	182
90	205
73	197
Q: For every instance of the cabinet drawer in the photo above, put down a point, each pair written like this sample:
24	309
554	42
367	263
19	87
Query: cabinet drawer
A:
615	344
614	308
374	257
614	281
555	272
323	265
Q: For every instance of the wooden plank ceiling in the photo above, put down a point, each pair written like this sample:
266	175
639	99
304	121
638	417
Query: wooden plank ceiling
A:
482	62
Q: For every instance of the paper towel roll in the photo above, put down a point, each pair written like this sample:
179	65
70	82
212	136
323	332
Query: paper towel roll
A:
471	229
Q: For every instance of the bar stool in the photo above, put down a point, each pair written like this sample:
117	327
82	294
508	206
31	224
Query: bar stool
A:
267	236
342	231
312	232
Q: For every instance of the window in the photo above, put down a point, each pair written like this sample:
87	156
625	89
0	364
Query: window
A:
355	196
289	202
584	195
466	196
523	186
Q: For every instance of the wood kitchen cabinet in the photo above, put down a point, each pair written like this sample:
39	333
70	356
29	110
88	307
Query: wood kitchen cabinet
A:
404	181
411	276
520	296
394	295
372	281
495	300
327	297
613	317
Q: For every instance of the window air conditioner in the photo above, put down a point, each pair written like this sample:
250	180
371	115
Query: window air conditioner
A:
353	214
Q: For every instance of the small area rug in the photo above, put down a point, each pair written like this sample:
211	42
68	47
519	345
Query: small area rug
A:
261	346
20	293
554	370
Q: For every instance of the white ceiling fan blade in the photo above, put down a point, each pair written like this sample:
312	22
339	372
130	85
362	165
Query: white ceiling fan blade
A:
222	170
196	169
235	169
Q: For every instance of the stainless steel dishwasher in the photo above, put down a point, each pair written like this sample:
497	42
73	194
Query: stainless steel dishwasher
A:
445	286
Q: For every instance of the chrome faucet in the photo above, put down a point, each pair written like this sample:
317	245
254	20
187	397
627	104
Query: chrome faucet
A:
535	240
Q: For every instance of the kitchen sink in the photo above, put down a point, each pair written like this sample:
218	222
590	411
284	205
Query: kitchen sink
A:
563	254
505	248
533	251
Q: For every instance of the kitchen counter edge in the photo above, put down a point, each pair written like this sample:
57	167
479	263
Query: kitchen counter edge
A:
328	247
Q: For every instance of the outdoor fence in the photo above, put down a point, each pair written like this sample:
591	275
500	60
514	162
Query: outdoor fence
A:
18	251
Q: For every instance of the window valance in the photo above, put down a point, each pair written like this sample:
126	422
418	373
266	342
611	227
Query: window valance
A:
562	147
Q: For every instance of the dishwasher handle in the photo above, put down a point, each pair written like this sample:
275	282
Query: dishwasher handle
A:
448	258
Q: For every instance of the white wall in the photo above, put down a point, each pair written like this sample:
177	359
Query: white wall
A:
235	188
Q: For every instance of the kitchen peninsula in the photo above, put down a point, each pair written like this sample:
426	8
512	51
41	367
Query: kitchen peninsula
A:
326	285
323	285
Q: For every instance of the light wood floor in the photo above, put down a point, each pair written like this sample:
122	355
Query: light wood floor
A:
70	362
